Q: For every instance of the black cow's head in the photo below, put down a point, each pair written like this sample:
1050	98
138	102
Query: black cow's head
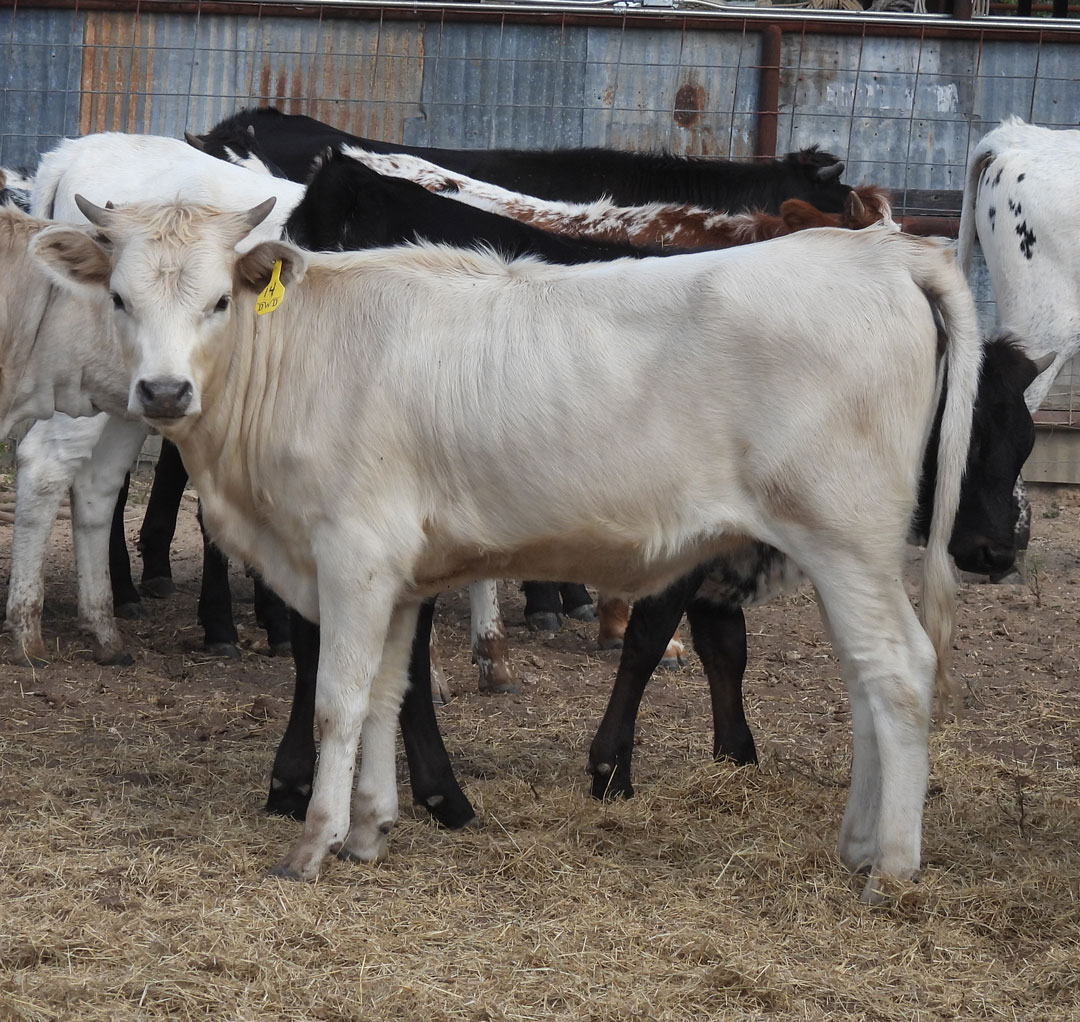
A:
814	175
1002	436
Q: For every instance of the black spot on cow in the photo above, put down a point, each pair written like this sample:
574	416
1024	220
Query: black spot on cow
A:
991	214
1020	178
1027	238
1015	208
997	178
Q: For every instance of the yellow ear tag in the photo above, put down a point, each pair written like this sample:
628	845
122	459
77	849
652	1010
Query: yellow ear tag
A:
271	296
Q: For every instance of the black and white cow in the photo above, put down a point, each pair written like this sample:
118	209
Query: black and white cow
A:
1020	205
15	188
292	141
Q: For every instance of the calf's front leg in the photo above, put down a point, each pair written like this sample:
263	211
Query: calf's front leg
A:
355	618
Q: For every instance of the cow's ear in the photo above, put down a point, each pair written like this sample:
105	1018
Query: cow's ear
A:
798	215
72	258
255	266
1039	366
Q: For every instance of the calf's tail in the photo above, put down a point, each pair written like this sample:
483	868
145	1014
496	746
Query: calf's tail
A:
948	294
966	235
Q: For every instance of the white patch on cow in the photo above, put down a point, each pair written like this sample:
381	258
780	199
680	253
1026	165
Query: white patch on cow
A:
249	161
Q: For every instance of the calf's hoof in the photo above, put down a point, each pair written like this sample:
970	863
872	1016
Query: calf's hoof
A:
25	659
158	588
610	643
451	810
297	867
586	612
544	621
222	649
741	753
879	889
494	674
372	847
283	649
610	782
121	658
133	610
288	798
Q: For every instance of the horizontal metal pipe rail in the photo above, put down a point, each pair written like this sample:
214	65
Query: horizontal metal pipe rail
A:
696	13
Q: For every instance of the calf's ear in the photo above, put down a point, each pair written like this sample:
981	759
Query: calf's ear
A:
72	258
255	266
799	216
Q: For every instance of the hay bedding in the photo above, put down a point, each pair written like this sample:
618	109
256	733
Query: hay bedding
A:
133	854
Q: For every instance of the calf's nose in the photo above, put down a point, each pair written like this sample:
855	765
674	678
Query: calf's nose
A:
164	398
985	557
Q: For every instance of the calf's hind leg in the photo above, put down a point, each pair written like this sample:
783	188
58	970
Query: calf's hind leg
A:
719	635
647	633
489	638
159	521
888	664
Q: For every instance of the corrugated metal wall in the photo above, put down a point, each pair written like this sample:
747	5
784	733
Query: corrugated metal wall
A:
902	108
902	111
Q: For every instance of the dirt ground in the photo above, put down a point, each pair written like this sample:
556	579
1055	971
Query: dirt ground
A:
134	853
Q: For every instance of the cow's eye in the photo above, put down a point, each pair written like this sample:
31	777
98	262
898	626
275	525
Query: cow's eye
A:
118	302
222	304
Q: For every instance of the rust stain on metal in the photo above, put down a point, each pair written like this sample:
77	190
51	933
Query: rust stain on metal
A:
117	72
689	102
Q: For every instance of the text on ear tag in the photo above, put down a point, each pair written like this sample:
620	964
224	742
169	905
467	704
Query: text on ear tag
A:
271	296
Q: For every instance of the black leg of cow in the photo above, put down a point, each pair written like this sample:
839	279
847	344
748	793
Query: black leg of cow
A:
576	601
719	635
434	785
215	612
126	602
159	522
294	764
652	622
272	613
543	606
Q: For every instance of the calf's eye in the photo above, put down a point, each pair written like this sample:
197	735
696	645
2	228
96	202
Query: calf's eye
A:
222	304
118	302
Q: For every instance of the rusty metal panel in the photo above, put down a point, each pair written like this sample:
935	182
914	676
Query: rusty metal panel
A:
40	54
687	91
363	76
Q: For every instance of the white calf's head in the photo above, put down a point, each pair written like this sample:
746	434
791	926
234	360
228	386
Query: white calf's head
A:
179	289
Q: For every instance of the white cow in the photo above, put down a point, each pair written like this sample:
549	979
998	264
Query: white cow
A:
436	357
91	456
1020	204
57	353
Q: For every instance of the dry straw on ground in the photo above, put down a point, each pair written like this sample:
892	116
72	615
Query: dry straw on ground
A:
134	857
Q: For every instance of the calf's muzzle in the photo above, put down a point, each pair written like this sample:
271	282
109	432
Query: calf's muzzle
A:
166	397
981	555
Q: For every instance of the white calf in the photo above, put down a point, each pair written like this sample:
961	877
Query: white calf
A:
88	455
436	357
